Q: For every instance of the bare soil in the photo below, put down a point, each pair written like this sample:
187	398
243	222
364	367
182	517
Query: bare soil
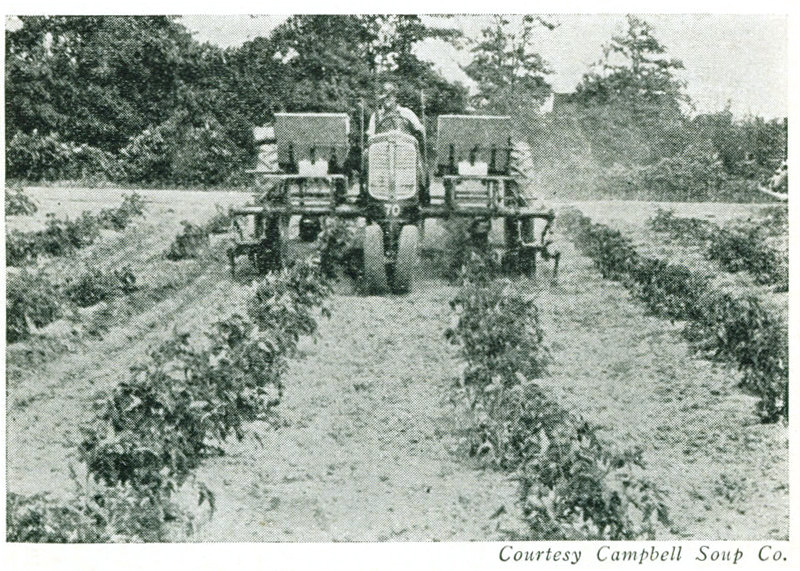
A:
369	449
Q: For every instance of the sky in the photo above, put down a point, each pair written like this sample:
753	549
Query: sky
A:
741	58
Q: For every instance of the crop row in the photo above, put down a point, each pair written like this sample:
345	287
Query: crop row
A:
62	237
573	485
33	300
734	328
179	407
736	248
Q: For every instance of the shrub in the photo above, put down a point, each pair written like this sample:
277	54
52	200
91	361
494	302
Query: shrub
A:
337	247
221	222
679	228
572	486
189	243
498	333
22	247
94	285
462	246
118	218
18	203
156	427
743	248
733	328
740	330
284	302
107	514
575	487
48	157
32	301
669	290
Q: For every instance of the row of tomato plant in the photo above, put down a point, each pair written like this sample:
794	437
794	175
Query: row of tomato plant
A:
731	327
62	237
573	484
34	300
737	247
179	407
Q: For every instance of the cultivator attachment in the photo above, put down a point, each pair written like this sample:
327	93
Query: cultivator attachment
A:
474	167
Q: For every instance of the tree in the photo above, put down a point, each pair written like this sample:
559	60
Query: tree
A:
94	79
509	73
631	101
635	72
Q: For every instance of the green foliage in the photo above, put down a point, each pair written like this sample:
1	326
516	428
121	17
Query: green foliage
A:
575	487
49	157
337	244
750	148
285	301
680	228
498	333
32	301
736	329
740	247
572	485
509	73
466	253
62	237
189	243
634	72
744	248
103	515
118	218
94	285
18	203
221	222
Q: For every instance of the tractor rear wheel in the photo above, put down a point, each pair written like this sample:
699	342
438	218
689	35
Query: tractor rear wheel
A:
407	259
374	260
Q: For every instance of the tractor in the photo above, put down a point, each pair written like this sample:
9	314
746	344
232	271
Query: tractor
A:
394	195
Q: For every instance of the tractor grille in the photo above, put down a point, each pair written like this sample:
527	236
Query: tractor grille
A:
393	167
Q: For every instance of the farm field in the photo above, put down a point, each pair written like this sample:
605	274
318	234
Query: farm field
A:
369	448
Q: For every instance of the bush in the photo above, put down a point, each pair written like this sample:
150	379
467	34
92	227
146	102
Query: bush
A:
108	514
740	330
22	247
59	238
284	302
94	285
47	157
32	301
733	328
175	410
743	248
668	290
462	247
18	203
189	243
573	486
221	222
118	218
337	246
677	227
498	333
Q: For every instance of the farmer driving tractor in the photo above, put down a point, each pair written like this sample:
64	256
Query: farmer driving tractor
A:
391	116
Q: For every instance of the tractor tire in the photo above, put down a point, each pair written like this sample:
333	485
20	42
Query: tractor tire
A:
374	260
407	259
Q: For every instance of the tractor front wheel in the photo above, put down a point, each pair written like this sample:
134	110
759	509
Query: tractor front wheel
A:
407	259
374	260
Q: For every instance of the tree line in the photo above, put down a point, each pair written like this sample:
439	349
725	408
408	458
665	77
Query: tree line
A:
139	100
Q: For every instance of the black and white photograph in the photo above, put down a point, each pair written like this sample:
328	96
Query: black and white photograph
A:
512	279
